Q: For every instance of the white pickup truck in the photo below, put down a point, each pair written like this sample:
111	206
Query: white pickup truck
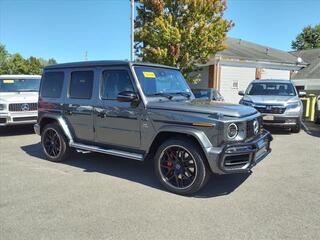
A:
19	99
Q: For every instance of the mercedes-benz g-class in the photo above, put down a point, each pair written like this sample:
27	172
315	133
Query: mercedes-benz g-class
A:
147	112
18	99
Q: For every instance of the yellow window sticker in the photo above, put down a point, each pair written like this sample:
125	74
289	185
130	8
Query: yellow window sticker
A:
8	81
149	75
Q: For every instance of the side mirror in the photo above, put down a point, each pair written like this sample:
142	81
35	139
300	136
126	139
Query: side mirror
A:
302	94
127	96
241	93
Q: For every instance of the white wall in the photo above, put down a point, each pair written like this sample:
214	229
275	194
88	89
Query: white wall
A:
234	79
274	74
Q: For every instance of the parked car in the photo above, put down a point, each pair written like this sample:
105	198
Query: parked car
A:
277	100
210	93
146	112
317	110
18	99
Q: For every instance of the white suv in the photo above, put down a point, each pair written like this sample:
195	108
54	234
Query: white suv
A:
18	99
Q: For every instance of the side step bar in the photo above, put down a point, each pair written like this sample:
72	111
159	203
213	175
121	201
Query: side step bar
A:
113	152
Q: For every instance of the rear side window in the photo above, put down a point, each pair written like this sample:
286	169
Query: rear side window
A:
81	84
114	82
51	85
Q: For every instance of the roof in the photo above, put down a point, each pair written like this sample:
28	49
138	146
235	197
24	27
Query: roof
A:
272	81
312	71
245	50
17	76
102	63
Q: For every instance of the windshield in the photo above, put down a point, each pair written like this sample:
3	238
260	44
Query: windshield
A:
275	89
157	81
207	94
19	85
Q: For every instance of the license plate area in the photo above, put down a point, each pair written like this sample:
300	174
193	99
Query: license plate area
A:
262	148
268	117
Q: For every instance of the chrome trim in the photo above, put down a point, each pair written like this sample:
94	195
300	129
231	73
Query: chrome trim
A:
113	152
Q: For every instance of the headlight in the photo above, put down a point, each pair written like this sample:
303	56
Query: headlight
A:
247	103
2	107
232	131
293	105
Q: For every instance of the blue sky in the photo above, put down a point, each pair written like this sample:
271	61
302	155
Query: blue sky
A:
66	29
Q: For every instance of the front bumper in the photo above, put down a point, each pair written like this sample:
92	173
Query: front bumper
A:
281	121
16	118
239	157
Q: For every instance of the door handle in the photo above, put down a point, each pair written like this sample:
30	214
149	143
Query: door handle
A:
101	114
68	112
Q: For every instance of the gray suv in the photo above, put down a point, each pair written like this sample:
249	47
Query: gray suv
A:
277	100
146	112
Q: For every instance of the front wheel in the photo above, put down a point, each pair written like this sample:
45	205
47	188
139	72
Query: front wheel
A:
296	128
181	167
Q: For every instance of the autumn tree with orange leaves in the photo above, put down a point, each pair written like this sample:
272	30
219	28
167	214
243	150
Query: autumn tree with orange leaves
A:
181	33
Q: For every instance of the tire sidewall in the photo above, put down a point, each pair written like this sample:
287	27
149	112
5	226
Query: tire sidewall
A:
201	168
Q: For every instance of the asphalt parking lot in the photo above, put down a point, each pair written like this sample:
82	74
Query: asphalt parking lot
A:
94	196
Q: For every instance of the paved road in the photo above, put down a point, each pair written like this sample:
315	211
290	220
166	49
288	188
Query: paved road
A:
98	197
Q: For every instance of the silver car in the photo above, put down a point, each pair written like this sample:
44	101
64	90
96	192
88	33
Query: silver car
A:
19	99
277	100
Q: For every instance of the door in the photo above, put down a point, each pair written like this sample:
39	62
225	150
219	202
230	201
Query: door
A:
234	79
78	110
117	123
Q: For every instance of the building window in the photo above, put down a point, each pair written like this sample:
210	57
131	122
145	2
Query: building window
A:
235	84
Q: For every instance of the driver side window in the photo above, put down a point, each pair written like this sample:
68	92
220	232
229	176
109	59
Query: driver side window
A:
114	82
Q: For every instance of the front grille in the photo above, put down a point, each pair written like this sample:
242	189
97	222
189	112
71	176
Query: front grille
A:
3	120
271	109
21	119
23	107
250	130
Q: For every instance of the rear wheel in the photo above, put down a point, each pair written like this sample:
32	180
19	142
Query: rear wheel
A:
317	115
181	167
54	143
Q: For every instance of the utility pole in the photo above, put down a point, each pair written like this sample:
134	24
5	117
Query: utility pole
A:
132	31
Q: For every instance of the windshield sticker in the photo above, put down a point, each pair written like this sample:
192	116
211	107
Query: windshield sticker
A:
149	74
8	81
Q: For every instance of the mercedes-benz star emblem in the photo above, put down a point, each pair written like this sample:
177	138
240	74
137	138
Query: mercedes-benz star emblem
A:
255	127
25	107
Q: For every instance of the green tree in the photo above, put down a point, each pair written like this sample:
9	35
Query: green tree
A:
181	33
309	38
16	64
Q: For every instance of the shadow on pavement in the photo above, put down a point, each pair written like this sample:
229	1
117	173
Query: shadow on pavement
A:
140	172
312	129
16	130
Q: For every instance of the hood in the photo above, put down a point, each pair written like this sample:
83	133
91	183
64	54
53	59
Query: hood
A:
204	106
261	99
19	97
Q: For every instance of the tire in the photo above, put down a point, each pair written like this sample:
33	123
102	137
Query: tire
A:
181	166
317	115
297	128
52	135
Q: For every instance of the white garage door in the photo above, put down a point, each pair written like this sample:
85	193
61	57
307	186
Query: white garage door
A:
275	74
233	79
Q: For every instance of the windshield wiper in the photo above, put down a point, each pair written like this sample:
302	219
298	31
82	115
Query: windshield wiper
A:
185	94
162	95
